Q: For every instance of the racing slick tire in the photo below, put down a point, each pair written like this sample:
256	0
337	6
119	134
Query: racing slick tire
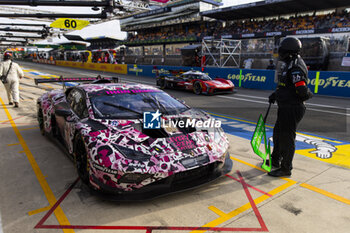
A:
80	159
197	88
41	121
162	84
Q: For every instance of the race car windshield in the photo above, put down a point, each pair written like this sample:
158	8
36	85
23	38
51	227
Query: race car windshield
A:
202	77
130	105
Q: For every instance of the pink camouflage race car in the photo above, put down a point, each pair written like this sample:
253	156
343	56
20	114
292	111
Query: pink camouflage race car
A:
103	128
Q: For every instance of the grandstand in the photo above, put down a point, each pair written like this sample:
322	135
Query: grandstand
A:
156	37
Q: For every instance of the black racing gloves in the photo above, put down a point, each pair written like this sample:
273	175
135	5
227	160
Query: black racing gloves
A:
304	93
272	98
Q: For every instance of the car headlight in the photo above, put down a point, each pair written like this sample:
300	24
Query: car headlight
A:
132	154
218	134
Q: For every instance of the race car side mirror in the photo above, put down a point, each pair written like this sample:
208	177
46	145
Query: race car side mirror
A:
63	112
181	101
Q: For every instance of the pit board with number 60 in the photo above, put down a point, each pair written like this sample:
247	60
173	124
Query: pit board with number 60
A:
72	24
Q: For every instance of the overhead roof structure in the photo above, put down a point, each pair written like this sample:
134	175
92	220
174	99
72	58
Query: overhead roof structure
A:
173	13
273	8
19	10
10	35
109	9
73	37
103	42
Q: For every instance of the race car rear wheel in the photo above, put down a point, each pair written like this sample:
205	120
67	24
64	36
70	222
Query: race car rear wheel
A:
80	159
197	88
41	121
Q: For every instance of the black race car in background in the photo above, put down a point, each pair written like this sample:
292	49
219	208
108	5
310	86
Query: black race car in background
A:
196	81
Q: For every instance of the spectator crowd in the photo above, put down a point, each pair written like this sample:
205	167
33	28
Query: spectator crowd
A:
217	28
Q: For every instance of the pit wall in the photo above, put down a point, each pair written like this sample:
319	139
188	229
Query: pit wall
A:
114	68
329	83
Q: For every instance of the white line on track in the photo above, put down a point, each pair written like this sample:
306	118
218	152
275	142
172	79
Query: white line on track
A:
308	104
1	231
250	96
236	98
312	109
338	113
326	106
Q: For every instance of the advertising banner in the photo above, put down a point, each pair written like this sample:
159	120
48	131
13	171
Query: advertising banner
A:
329	83
247	78
114	68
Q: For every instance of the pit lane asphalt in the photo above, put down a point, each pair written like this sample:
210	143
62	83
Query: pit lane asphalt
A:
35	174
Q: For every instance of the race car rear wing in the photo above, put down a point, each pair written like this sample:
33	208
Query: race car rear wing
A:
97	79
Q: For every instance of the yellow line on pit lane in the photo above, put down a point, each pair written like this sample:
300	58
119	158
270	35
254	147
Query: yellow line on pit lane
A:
23	89
325	193
13	144
60	216
260	169
310	187
232	214
37	211
217	211
271	127
45	76
28	128
225	217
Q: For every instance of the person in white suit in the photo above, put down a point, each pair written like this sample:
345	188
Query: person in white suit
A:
11	84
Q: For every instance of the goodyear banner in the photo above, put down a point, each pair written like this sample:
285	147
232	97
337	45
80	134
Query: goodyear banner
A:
330	83
327	83
257	79
246	78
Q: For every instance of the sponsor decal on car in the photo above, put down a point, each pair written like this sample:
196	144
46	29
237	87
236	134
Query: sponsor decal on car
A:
104	169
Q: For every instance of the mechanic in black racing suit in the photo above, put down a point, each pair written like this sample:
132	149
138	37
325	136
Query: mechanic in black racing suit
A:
290	94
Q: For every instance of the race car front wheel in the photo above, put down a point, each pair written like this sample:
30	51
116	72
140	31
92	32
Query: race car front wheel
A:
162	84
41	121
80	159
197	88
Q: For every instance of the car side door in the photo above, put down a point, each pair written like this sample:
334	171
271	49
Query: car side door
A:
188	84
80	112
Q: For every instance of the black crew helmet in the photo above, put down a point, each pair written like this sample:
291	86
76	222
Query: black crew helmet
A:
290	46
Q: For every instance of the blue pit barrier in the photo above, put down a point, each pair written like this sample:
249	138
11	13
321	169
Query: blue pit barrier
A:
329	83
